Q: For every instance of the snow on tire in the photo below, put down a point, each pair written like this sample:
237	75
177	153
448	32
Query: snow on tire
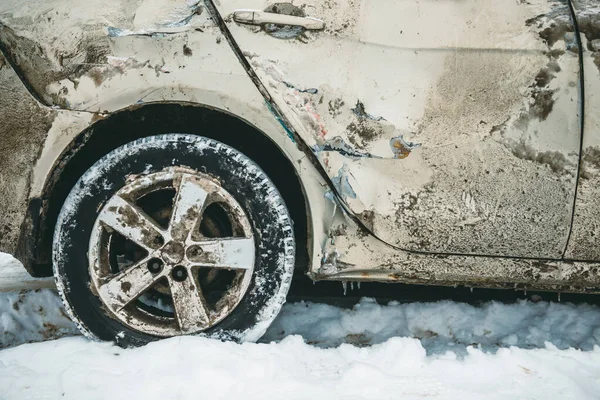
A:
173	234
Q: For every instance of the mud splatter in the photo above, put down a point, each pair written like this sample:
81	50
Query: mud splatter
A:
335	107
363	132
40	68
543	103
368	218
589	25
552	26
25	125
590	163
557	161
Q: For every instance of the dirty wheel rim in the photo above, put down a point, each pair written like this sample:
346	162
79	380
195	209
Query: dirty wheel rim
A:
177	268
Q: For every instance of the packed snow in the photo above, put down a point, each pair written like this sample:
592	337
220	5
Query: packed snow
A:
444	350
14	277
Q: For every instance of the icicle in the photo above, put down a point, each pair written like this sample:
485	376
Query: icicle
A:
358	285
344	284
471	289
559	297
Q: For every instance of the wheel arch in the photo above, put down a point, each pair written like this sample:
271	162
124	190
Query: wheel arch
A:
269	151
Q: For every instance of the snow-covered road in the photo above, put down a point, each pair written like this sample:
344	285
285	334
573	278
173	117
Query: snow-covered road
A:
442	350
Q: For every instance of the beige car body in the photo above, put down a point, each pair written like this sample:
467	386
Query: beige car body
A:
443	143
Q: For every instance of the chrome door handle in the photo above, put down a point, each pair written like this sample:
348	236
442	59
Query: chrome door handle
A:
257	17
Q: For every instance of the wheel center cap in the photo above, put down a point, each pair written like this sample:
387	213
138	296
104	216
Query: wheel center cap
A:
173	252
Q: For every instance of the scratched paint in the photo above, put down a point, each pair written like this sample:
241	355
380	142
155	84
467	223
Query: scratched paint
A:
492	107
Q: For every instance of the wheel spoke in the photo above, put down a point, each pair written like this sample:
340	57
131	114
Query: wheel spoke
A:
230	253
127	285
187	208
190	306
131	222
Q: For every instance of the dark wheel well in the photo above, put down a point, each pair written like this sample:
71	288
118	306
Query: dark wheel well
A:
127	125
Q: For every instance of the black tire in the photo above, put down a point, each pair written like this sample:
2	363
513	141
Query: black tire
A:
238	175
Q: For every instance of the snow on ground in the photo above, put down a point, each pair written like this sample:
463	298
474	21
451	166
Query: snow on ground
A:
14	277
443	325
443	350
196	368
32	316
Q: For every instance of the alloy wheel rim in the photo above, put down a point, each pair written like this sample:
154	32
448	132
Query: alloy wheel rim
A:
161	288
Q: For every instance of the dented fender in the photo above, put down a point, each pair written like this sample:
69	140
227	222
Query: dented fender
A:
81	71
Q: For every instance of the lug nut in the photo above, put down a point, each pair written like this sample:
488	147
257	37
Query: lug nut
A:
179	273
155	265
158	240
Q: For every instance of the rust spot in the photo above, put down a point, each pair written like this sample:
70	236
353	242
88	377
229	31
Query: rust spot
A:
400	147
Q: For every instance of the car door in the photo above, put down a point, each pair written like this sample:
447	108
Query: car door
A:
584	243
446	126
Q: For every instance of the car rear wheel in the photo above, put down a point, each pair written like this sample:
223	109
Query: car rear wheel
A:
171	235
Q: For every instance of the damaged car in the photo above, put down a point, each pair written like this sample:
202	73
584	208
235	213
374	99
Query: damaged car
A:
174	163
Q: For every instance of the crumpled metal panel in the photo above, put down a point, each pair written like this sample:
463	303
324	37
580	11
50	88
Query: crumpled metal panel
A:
350	255
103	56
84	60
446	126
585	237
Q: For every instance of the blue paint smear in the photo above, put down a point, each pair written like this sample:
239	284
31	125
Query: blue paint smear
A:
342	183
278	118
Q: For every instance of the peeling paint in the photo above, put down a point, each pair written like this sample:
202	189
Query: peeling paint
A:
400	147
359	111
342	183
310	90
337	144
